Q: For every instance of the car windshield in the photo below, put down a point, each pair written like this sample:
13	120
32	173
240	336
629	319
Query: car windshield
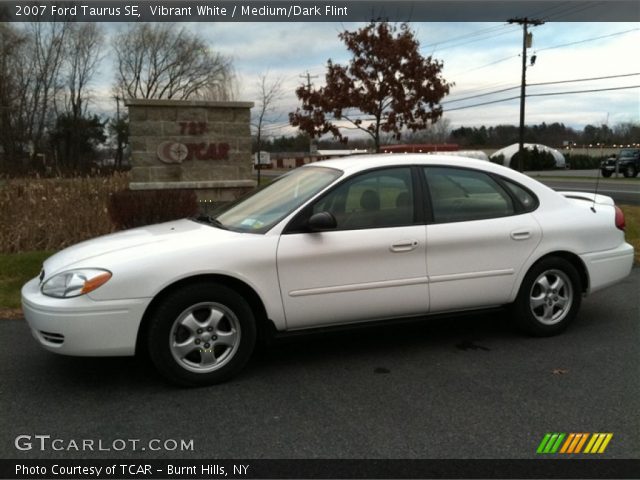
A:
261	210
627	152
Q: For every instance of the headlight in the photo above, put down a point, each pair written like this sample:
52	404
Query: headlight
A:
75	282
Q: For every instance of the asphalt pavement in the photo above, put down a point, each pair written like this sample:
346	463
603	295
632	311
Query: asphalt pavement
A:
469	386
623	192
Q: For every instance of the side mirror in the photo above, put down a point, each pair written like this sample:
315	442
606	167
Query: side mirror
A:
321	221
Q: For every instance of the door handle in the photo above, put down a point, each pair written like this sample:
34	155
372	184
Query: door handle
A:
520	234
404	246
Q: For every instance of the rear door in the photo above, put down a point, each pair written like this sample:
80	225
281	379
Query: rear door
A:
479	239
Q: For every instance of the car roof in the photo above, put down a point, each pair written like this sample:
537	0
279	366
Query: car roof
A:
356	163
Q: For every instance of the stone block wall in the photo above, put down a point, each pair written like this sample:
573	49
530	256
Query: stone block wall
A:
200	145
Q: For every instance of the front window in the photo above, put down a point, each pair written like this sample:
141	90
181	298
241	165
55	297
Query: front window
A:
377	199
260	211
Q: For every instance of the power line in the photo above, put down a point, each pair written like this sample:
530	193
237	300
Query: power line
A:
546	48
564	10
575	80
485	65
542	95
588	39
575	10
480	95
483	31
484	37
481	104
583	91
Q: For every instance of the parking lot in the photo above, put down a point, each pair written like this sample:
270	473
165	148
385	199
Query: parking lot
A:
469	386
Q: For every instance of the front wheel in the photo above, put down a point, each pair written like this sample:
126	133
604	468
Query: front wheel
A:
201	334
549	297
630	171
606	173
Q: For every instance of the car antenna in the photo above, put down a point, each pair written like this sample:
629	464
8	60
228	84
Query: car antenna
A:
595	192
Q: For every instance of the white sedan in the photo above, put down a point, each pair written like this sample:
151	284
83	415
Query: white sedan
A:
333	243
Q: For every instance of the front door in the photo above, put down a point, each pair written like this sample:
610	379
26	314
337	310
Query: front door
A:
372	266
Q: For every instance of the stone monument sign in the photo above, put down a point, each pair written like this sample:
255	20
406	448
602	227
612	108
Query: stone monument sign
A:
198	145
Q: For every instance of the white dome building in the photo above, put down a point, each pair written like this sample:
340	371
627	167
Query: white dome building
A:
511	150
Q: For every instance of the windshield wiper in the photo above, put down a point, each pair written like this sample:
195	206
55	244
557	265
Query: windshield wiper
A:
211	221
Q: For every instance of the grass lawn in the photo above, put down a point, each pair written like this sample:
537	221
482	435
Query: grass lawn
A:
632	231
16	269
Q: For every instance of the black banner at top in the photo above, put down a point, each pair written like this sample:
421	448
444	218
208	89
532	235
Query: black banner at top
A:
318	11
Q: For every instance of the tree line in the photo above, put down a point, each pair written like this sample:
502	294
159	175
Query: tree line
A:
387	93
553	134
48	72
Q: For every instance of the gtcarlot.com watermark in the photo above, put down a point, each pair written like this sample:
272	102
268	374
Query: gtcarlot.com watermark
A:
47	443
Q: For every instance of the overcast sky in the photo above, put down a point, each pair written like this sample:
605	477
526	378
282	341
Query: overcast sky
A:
478	57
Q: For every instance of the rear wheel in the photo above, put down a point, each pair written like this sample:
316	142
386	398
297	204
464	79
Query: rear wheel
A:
201	334
606	173
549	297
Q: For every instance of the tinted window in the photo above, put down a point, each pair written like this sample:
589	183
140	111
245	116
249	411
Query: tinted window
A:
526	198
382	198
459	195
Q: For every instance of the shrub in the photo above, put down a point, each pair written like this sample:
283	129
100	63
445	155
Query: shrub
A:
53	213
135	208
582	162
499	159
534	160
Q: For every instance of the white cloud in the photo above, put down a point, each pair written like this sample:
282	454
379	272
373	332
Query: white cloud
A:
289	50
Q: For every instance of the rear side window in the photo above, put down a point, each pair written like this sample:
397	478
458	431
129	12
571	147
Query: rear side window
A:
528	201
460	195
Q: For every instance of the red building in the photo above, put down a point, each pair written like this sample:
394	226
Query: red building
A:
420	148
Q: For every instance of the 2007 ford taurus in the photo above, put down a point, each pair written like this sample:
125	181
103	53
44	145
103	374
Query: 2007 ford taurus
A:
332	243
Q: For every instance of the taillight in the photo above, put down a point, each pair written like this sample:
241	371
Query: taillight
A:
619	218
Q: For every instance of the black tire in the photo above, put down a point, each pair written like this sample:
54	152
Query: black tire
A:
542	311
201	334
629	171
606	173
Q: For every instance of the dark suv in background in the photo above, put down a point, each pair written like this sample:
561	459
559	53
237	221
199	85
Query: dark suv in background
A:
628	160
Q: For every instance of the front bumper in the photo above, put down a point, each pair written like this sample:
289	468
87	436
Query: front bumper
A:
82	326
608	267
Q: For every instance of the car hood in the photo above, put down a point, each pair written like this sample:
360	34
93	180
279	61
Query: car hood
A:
177	232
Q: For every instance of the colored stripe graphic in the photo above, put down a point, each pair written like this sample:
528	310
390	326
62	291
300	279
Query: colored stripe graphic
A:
551	443
598	442
574	442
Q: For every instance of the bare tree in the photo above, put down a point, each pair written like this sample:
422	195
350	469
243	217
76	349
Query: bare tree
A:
158	60
47	46
85	41
31	61
11	41
68	136
270	92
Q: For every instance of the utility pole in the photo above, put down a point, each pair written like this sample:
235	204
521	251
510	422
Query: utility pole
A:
309	77
526	41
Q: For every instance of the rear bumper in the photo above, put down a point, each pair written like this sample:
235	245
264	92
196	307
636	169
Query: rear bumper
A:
608	267
82	326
